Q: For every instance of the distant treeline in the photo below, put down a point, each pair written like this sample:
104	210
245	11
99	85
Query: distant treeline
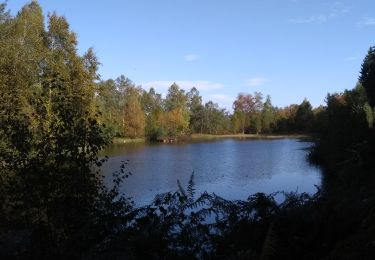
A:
131	111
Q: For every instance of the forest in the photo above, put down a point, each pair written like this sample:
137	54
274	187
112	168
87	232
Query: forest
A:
56	114
130	111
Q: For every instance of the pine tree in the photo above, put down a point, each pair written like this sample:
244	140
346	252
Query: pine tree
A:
367	76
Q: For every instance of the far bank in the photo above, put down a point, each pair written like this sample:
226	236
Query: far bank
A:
202	137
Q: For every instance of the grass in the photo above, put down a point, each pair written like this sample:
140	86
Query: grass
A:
121	140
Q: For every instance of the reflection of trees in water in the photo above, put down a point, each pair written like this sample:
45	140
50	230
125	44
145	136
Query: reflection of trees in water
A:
225	166
121	149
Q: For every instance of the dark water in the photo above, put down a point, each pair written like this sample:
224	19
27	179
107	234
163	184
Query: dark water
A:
233	169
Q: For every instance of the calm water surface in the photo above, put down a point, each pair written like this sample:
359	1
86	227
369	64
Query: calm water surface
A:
233	169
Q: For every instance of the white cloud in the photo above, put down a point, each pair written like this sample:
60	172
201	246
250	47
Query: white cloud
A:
367	22
201	85
220	97
338	9
191	57
335	10
318	19
351	58
255	82
224	101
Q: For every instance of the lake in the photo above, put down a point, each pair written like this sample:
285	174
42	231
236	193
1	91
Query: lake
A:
231	168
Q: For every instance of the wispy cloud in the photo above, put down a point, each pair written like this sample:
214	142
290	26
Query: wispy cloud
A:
223	100
336	9
255	82
369	21
318	19
220	97
351	58
201	85
191	57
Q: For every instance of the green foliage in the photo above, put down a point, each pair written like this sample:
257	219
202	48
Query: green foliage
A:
53	200
255	123
180	113
134	117
153	106
268	116
197	111
367	76
286	119
53	192
176	119
215	120
369	114
238	122
346	126
304	116
4	15
247	107
175	98
345	150
108	98
181	225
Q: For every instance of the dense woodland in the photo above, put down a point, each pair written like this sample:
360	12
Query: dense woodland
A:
130	111
56	115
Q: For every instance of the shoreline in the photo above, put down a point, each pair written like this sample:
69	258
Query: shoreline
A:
250	136
123	140
203	137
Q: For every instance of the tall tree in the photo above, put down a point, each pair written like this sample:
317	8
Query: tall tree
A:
49	135
196	109
109	99
216	119
304	116
367	75
151	101
22	49
4	15
176	98
152	104
177	116
134	116
268	115
245	105
242	107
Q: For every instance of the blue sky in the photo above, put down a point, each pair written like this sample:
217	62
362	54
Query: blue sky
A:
289	49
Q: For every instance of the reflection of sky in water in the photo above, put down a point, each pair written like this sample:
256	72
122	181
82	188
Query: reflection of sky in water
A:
233	169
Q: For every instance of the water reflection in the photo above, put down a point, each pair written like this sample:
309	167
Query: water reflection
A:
233	169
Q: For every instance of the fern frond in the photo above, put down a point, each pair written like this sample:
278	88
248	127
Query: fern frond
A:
181	190
190	187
